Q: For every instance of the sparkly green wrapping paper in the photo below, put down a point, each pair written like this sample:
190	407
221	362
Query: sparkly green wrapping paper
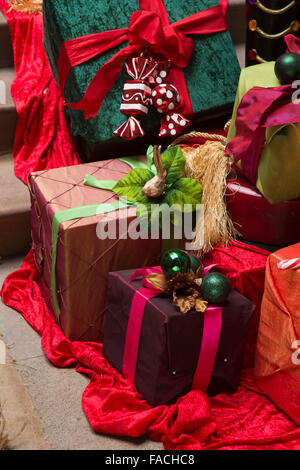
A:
212	74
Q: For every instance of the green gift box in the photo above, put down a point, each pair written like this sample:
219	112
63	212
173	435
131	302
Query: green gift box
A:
211	75
278	169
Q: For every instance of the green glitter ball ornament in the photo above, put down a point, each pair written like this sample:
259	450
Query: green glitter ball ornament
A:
174	262
195	263
215	288
287	67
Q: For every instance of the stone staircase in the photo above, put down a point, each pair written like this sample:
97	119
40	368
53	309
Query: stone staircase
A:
14	198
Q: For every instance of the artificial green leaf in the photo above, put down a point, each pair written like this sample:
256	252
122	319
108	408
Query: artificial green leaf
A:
173	161
184	191
131	185
150	217
147	210
149	156
151	214
143	212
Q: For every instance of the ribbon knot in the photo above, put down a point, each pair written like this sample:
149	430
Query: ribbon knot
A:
146	29
149	26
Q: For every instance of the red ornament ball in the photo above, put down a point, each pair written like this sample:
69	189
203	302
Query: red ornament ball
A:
165	98
252	54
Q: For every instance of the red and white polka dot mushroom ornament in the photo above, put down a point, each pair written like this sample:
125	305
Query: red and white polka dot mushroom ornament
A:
166	99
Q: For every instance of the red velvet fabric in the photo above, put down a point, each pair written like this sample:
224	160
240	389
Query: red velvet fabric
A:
244	420
42	137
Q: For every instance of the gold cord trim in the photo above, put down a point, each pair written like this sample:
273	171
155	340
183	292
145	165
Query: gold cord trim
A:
258	57
274	12
204	135
294	26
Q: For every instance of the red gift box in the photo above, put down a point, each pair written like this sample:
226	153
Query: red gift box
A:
256	219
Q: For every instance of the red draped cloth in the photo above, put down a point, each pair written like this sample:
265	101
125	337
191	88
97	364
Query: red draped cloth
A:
42	137
243	420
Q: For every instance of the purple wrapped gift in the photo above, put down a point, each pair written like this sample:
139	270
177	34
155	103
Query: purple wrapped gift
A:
169	346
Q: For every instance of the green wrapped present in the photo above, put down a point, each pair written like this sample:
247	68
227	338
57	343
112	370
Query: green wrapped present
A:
208	79
278	171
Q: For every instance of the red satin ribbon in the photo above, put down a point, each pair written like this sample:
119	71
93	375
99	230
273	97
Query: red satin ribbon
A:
209	347
149	26
210	336
261	108
134	326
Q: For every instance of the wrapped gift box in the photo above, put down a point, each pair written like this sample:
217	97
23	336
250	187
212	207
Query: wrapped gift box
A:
170	341
277	361
82	259
211	75
256	219
276	172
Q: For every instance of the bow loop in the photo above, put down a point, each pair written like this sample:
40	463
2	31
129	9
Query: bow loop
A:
146	30
292	43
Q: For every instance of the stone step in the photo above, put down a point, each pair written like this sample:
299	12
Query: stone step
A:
8	113
15	235
236	21
6	50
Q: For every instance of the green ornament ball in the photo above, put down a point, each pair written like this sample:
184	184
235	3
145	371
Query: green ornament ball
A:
215	288
174	262
287	67
195	263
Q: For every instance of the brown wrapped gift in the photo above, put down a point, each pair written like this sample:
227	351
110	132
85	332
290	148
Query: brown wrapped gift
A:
83	260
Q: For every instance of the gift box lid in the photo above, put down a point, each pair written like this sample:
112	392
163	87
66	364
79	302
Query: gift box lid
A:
64	188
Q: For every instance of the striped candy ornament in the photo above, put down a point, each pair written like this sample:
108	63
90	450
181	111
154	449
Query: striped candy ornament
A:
130	129
136	95
293	263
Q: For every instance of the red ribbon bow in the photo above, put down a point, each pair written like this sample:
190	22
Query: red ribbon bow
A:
150	27
258	109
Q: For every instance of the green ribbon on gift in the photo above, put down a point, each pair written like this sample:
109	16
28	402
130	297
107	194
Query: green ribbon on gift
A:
187	190
85	211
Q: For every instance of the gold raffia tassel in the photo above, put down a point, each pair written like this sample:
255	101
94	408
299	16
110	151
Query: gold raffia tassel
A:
209	165
27	6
